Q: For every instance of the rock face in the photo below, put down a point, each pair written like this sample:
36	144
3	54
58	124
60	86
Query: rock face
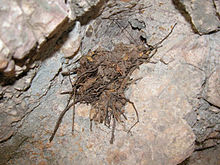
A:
43	23
176	94
25	29
203	157
203	14
203	94
73	41
213	87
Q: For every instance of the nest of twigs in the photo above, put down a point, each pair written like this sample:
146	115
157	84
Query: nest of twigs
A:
102	78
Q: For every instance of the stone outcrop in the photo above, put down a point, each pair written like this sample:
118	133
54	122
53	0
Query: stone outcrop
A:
31	30
204	15
213	87
25	29
208	156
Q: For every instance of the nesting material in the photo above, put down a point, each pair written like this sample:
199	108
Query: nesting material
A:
102	78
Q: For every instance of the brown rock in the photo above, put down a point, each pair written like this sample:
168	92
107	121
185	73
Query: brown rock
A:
3	63
46	21
190	50
12	30
164	105
205	157
213	87
29	23
5	130
72	44
10	68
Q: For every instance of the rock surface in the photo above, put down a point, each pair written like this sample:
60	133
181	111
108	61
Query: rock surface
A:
213	88
178	86
73	41
43	23
204	15
210	156
40	20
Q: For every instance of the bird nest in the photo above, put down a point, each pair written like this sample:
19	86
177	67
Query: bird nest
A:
102	78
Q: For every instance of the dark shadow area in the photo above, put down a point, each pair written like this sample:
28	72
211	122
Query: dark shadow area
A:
185	14
185	162
51	45
204	157
93	13
217	14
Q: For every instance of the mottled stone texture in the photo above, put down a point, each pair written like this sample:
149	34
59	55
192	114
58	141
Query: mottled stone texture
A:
29	29
176	94
211	156
204	15
73	41
46	21
25	27
213	88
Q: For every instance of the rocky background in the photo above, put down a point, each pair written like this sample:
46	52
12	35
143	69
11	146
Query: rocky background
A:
177	94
